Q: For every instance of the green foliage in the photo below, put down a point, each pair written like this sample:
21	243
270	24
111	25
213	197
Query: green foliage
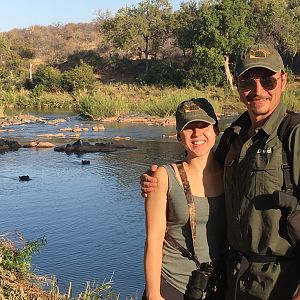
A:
48	78
207	69
37	91
12	80
142	29
19	260
185	26
100	291
80	78
26	53
291	99
278	22
103	106
163	73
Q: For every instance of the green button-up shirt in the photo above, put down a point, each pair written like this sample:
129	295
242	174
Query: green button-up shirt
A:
252	173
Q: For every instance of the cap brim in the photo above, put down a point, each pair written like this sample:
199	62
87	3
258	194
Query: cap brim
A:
258	65
212	122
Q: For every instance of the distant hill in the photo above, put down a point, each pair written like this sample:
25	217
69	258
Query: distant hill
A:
53	44
63	46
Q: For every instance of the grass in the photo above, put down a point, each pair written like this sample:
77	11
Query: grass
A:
109	100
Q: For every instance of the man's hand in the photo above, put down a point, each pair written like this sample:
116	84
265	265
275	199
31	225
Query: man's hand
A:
148	182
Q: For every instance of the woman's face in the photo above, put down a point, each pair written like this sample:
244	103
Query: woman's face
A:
198	138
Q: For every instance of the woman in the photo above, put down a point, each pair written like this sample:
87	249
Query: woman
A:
167	270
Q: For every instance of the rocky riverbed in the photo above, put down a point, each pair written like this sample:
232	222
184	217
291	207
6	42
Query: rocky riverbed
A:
65	131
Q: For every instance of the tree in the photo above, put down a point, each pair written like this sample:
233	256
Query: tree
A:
224	28
184	26
141	30
12	71
80	78
48	77
278	22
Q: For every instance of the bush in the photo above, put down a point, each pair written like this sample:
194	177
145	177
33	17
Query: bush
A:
19	260
12	80
163	73
48	78
80	78
208	68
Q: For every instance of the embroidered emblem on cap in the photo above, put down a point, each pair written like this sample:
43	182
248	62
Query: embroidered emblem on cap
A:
261	53
190	106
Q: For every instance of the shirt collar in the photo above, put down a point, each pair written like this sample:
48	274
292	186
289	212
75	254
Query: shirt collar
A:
244	121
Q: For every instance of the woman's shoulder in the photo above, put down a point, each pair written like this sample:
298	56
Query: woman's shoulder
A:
161	171
169	168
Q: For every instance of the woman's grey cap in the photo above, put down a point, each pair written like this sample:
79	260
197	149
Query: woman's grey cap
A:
259	56
196	109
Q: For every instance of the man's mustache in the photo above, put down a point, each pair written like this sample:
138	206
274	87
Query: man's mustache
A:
256	97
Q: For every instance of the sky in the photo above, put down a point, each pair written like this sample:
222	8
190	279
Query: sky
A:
26	13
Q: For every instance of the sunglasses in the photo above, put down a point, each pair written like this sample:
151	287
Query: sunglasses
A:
268	83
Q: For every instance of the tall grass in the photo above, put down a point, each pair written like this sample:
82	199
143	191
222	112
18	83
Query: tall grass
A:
115	100
291	98
109	100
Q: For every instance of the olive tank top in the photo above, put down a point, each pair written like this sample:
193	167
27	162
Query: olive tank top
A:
210	232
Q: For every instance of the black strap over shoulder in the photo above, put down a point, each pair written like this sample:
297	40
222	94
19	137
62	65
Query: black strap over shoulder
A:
290	121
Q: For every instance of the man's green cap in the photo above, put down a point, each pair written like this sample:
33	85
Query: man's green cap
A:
259	56
195	109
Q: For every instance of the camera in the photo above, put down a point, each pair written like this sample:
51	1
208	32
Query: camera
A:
199	281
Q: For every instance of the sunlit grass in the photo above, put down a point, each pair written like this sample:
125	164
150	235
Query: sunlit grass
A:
109	100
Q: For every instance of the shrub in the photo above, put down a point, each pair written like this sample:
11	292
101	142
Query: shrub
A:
208	68
80	78
163	73
19	259
48	78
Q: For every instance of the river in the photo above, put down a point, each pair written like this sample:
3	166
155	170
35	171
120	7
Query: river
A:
92	215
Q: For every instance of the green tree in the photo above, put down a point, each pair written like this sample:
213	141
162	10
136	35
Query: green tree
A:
278	23
224	27
47	77
13	70
141	30
80	78
210	71
184	26
5	50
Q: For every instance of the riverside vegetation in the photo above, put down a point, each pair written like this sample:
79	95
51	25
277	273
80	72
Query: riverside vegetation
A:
110	100
18	282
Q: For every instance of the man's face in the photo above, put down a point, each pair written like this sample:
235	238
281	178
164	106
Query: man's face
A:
260	89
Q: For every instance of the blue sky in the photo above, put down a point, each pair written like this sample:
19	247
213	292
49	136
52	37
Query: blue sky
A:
25	13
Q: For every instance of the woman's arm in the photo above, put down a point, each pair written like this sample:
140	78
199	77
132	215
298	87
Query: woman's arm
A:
155	209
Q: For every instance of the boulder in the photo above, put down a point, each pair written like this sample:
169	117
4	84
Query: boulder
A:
84	147
6	145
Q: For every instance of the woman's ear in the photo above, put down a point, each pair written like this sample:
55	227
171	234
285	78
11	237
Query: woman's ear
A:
178	137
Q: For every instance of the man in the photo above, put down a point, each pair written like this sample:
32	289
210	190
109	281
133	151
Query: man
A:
262	263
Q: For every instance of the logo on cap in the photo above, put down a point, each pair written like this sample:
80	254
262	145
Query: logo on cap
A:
261	53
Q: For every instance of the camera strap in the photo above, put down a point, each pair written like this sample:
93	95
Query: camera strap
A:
192	218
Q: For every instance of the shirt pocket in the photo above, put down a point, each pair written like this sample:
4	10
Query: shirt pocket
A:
266	171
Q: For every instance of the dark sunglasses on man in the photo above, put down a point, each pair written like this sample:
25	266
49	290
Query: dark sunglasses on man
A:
268	83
